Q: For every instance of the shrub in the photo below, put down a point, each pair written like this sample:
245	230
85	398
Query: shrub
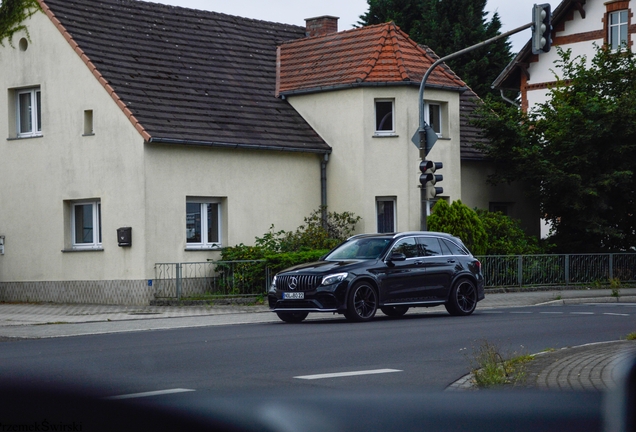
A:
459	220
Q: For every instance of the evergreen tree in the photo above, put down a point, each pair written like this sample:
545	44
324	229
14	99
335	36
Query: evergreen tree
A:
459	220
448	26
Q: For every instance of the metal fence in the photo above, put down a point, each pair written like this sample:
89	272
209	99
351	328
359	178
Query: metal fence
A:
570	269
242	278
210	278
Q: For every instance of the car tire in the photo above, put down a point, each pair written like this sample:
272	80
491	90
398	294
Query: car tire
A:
292	317
463	298
394	311
362	303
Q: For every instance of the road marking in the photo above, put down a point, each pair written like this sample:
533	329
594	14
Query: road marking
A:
615	314
491	312
521	312
552	313
582	313
347	374
152	393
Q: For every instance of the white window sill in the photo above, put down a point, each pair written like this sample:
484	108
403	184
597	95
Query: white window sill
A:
385	135
203	248
83	250
24	137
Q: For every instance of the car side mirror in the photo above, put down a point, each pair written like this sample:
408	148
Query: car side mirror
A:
396	256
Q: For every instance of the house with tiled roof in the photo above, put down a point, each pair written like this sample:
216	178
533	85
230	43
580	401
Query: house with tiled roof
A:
578	25
136	133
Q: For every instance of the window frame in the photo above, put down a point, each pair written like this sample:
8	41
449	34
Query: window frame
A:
96	221
620	26
385	200
35	100
440	122
378	122
205	244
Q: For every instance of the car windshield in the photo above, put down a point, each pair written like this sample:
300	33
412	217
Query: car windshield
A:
361	248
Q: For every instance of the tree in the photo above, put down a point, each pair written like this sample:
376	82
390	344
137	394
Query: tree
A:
459	220
505	235
446	27
576	152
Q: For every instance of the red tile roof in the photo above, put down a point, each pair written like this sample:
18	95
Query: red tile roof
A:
375	54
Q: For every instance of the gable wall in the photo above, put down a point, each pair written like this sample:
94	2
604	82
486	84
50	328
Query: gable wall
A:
39	174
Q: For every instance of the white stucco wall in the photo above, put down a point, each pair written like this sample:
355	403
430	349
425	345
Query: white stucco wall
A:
363	166
39	174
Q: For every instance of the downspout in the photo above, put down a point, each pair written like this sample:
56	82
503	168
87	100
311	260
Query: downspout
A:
510	101
323	189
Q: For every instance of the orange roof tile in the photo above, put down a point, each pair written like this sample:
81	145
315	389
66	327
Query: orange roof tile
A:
375	54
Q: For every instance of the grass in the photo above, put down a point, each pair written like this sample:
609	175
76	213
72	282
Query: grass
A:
491	369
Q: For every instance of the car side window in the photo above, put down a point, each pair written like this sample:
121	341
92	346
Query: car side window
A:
406	246
455	249
430	246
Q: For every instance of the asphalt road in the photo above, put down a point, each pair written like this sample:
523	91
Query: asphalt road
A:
420	352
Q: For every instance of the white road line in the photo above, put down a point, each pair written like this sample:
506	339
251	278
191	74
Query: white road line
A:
581	313
615	314
347	374
552	313
152	393
521	312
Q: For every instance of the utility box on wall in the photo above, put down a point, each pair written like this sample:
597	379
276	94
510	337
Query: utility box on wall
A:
124	236
1	245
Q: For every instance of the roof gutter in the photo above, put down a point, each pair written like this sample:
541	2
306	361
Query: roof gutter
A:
320	89
197	143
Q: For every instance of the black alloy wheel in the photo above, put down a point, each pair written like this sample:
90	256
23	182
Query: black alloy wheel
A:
363	302
394	311
292	317
463	298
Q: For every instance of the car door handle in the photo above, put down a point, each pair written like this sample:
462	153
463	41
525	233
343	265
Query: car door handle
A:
451	261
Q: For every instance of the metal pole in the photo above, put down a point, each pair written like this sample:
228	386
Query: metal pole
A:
422	128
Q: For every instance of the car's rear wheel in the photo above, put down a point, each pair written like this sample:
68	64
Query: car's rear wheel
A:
463	298
292	317
362	303
394	311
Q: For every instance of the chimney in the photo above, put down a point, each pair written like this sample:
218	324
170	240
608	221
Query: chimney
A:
321	25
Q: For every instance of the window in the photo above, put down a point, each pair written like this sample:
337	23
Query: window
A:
203	223
28	112
433	116
617	29
88	122
86	224
430	246
385	209
499	207
407	246
384	117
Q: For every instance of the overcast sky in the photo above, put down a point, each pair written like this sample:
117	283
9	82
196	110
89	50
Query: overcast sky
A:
513	13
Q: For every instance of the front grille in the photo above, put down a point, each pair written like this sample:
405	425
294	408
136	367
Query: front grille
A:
302	282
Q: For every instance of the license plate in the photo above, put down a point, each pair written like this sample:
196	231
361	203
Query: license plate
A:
293	295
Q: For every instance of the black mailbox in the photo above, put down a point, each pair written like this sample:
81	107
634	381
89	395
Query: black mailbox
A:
124	236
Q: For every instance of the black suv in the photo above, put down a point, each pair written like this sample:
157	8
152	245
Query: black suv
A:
393	272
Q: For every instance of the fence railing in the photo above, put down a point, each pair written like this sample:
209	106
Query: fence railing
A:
242	278
213	278
570	269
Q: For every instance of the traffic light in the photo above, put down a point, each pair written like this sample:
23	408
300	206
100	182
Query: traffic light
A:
428	178
541	28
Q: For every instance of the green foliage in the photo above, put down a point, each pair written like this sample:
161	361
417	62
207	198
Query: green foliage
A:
490	369
315	233
575	152
459	220
12	15
506	237
447	27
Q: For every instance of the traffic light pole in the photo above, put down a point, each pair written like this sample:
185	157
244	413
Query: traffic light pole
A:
423	126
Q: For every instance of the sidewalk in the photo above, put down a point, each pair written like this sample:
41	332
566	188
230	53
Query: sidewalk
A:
587	367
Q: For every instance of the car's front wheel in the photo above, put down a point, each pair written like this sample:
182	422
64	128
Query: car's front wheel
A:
362	303
394	311
292	317
463	298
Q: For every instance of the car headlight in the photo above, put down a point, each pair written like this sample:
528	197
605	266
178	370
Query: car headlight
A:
272	287
334	278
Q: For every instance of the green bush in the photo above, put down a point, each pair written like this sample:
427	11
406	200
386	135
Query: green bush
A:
459	220
505	235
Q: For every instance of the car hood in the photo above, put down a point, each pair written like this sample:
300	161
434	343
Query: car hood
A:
326	267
